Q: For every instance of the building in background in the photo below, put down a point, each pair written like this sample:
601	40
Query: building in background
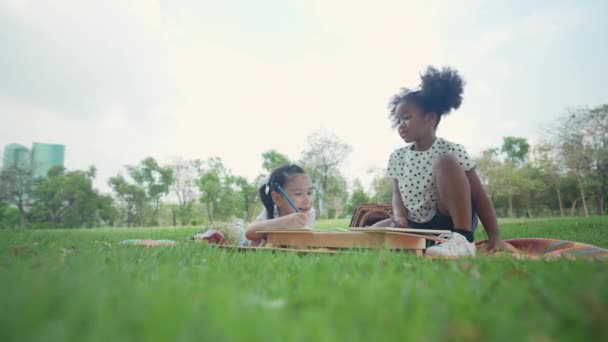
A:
46	156
15	155
41	158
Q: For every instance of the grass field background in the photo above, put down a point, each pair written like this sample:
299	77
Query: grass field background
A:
83	285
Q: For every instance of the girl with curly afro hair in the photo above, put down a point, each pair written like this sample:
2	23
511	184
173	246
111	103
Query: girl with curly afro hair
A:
435	183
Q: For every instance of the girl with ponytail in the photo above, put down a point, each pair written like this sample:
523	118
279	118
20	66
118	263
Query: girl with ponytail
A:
278	211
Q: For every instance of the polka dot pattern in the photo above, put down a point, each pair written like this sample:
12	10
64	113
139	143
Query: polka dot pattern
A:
413	171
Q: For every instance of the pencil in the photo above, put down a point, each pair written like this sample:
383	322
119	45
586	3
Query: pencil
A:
276	185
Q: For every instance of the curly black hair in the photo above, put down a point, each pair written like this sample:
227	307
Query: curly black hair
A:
439	92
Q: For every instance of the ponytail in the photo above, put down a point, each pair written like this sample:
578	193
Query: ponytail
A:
439	92
267	200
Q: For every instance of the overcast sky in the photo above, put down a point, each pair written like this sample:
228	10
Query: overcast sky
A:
119	80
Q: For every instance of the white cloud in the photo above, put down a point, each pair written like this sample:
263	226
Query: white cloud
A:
144	82
109	141
236	104
540	28
78	56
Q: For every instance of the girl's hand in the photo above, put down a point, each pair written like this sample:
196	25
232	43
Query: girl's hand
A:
495	244
296	220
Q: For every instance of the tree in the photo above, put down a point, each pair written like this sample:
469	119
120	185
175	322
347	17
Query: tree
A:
133	198
9	216
322	157
215	185
68	199
16	185
513	177
489	169
90	208
273	159
507	181
381	188
154	179
247	196
576	153
54	196
186	174
106	211
488	165
337	196
516	149
357	197
546	160
531	184
596	132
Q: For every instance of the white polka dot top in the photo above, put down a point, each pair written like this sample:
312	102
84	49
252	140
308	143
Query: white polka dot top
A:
414	172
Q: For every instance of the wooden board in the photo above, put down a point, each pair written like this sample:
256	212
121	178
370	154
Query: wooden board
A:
285	231
402	230
325	251
279	249
414	232
358	229
369	229
326	239
288	230
426	236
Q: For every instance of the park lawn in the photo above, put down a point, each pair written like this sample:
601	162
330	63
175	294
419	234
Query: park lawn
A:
82	285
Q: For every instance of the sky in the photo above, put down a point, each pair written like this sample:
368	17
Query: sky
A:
117	81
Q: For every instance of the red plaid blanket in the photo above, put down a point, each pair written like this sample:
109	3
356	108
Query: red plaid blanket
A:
550	248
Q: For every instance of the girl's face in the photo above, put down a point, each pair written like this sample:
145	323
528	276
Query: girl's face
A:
413	124
299	189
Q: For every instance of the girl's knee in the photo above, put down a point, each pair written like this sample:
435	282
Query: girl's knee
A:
446	162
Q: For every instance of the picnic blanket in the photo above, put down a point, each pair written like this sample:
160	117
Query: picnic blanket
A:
148	242
536	248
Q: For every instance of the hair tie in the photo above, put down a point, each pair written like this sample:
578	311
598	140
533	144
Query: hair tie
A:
265	182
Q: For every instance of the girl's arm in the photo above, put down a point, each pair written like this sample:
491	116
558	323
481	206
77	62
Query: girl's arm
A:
399	210
294	220
485	210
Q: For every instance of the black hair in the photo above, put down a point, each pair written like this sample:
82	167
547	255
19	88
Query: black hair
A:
278	177
440	92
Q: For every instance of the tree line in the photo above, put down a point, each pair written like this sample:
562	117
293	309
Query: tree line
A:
183	192
565	173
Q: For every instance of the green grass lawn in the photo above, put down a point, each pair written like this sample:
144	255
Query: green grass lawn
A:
82	285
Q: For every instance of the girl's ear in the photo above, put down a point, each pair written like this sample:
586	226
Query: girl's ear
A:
431	117
276	197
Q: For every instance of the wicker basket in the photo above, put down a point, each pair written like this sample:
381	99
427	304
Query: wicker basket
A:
369	213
